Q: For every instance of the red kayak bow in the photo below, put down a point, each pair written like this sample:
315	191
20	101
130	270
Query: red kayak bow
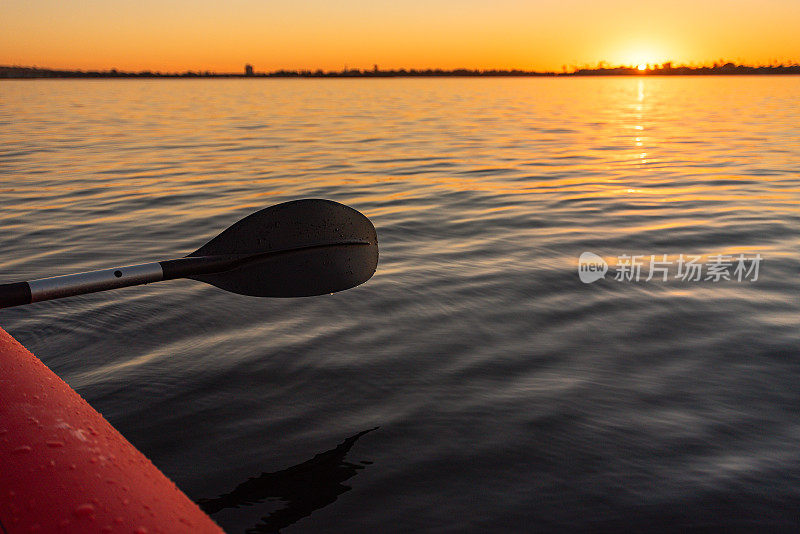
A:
64	468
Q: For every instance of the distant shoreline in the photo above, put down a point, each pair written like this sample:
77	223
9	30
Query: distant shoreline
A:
728	69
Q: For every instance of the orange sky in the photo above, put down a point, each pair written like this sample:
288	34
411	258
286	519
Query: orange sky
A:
183	35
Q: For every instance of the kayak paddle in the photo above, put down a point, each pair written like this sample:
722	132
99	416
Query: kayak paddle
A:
295	249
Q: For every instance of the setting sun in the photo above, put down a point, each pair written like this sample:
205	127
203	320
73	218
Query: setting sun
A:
640	53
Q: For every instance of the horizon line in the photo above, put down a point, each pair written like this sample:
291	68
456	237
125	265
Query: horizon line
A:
602	68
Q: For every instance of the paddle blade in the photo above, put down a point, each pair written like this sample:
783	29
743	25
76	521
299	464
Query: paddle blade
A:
301	248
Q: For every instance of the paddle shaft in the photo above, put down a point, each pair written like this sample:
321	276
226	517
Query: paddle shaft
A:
68	285
19	293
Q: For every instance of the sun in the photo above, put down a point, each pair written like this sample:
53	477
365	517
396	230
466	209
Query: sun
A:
640	55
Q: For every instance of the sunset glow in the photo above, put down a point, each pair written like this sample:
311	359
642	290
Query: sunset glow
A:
312	34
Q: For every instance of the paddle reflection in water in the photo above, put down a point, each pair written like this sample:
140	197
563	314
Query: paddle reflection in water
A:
305	487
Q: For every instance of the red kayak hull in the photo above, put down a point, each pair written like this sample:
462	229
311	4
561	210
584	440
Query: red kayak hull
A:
64	468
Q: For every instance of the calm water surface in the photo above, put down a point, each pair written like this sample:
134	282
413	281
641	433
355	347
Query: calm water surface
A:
509	395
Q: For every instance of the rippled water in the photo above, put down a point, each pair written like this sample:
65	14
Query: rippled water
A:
509	395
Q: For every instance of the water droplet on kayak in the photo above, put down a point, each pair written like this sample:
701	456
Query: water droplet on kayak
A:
84	510
55	444
140	530
22	449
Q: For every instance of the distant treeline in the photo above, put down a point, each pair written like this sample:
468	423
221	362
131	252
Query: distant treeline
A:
669	70
658	70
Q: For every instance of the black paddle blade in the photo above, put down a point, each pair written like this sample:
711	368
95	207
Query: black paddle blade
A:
301	248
